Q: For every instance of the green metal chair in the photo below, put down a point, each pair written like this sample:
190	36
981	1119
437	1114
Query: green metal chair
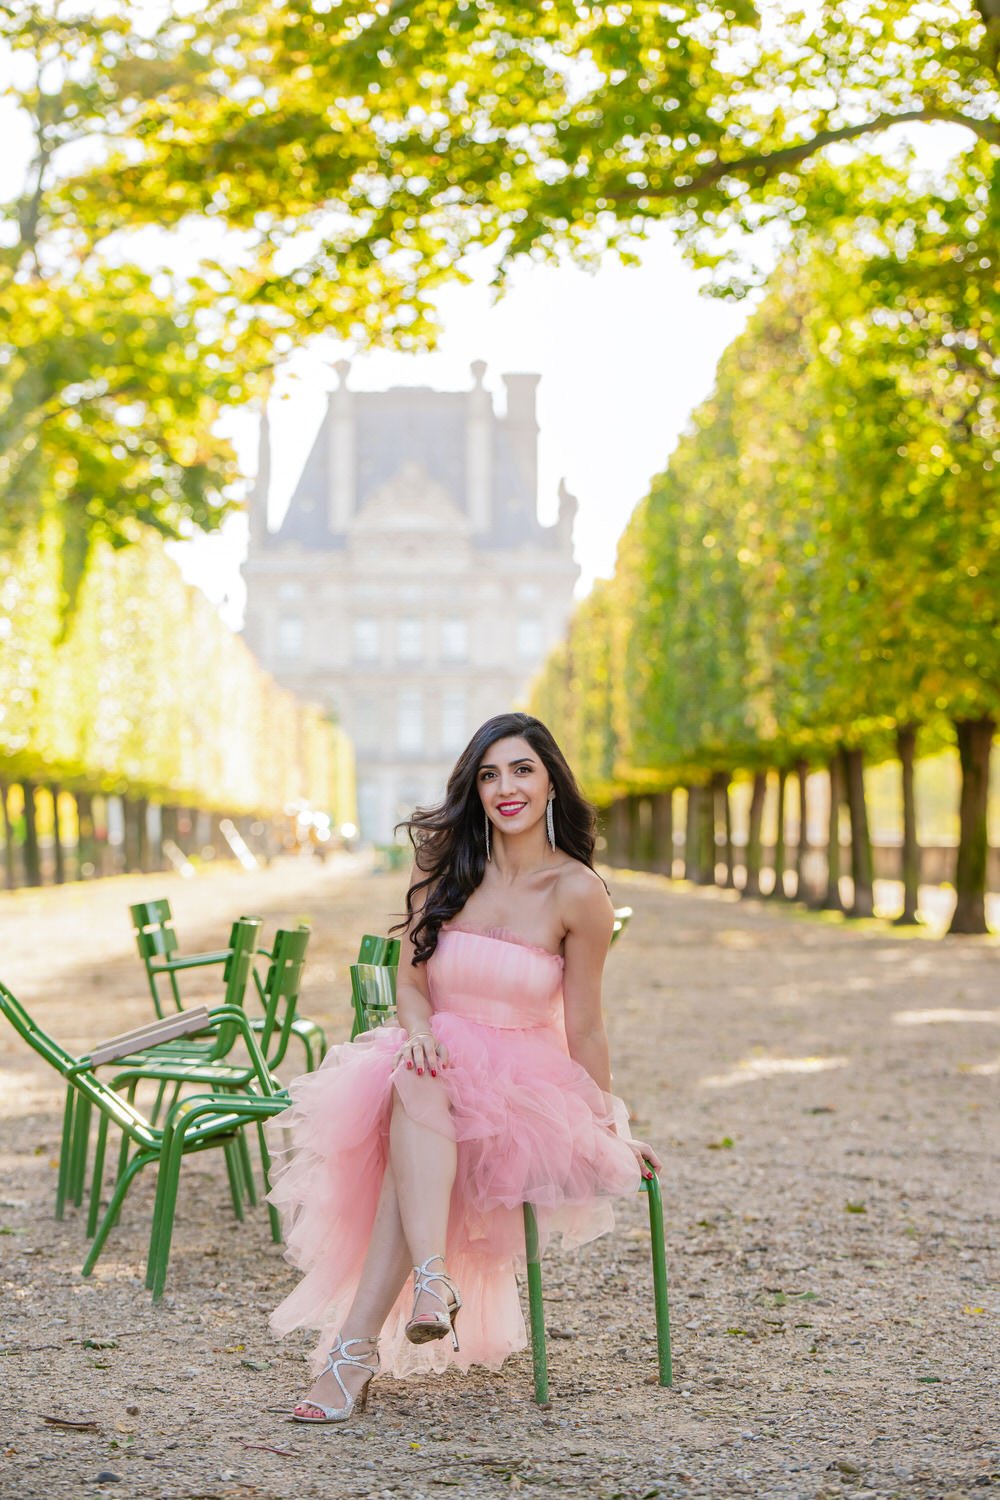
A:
191	1125
206	1048
623	916
156	939
158	946
165	1062
371	991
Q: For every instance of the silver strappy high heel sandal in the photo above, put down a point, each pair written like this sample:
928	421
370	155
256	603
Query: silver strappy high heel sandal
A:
426	1327
339	1356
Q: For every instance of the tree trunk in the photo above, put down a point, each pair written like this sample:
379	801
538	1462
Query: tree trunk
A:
705	835
721	814
142	835
156	839
9	865
906	744
751	885
86	852
60	862
618	832
802	847
975	741
32	860
663	833
691	868
778	889
832	900
633	814
862	863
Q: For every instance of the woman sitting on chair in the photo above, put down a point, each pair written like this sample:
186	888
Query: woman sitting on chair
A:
416	1146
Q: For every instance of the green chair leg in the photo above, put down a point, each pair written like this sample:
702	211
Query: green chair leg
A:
78	1155
539	1354
154	1113
140	1160
98	1177
651	1187
272	1213
65	1153
246	1168
234	1171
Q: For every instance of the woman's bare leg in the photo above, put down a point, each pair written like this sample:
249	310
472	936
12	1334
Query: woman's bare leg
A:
387	1264
423	1164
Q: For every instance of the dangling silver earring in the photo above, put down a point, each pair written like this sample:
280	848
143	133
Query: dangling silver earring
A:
550	823
489	850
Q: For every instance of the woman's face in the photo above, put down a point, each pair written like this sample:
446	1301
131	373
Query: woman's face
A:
513	784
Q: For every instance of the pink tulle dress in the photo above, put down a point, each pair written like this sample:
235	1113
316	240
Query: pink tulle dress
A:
530	1124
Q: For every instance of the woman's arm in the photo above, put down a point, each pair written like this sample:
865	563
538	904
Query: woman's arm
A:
589	920
413	1003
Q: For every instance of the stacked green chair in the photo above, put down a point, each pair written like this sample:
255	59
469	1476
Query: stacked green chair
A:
166	1063
237	964
370	994
191	1125
157	941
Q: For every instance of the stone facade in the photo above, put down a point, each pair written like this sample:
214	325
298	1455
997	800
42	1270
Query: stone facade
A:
411	587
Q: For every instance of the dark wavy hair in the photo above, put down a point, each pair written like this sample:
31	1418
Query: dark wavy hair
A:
449	840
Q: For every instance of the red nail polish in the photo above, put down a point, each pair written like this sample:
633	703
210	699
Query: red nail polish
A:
420	1071
409	1065
433	1073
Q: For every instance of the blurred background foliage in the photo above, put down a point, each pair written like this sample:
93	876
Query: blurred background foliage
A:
816	571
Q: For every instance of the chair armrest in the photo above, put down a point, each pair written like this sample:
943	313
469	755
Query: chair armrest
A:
151	1035
189	961
237	1016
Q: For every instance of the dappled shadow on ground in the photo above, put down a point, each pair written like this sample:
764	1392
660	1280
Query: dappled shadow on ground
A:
825	1104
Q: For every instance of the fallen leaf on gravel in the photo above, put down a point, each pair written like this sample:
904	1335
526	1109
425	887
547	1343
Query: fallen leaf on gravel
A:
973	1311
75	1426
855	1208
724	1145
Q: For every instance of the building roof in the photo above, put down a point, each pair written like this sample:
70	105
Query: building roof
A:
417	426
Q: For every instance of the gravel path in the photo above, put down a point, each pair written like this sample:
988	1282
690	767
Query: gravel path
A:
825	1100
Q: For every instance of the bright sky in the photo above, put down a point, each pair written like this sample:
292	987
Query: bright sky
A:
624	355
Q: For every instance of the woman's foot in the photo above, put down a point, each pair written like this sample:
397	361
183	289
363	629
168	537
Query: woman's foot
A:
436	1301
343	1383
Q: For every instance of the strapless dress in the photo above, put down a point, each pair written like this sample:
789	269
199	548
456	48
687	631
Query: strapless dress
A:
530	1125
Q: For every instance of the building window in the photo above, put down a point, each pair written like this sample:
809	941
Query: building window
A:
366	639
368	809
289	636
453	730
410	721
408	799
409	638
366	725
290	593
529	639
454	639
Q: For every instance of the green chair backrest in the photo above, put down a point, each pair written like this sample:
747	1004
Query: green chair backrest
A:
155	934
373	991
242	946
378	950
279	990
82	1077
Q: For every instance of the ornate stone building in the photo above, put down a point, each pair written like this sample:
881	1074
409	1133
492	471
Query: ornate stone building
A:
410	586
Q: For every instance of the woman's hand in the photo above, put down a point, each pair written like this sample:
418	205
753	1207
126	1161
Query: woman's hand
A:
646	1157
423	1053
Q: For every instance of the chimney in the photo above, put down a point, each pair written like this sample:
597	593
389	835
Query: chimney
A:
522	425
479	451
341	451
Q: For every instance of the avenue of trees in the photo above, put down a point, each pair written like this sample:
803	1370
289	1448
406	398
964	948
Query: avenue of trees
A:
144	695
814	581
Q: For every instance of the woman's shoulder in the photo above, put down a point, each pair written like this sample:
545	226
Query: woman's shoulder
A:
583	896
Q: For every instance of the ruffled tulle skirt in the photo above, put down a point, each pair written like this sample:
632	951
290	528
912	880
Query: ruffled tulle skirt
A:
530	1125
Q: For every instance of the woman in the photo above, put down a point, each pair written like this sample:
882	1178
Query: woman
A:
417	1145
